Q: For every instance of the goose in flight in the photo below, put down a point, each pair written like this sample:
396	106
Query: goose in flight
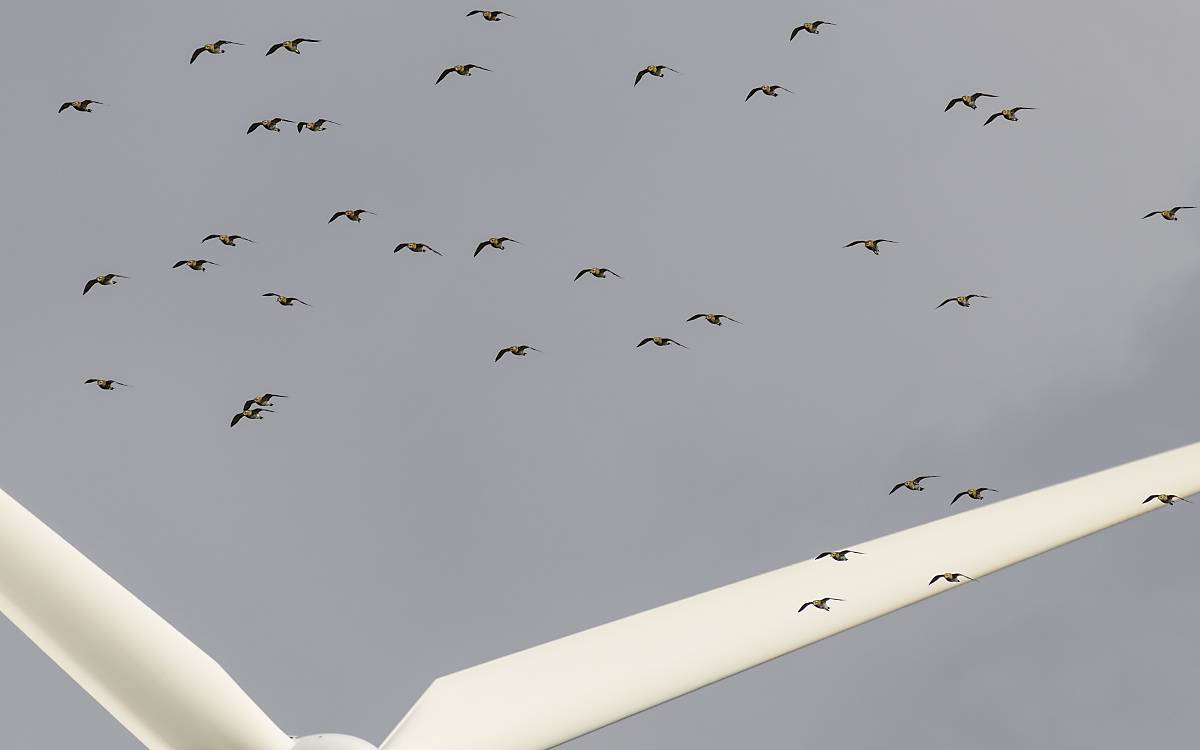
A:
967	99
291	45
1007	114
315	126
496	242
249	413
214	48
285	300
1166	499
713	318
462	70
83	105
490	15
963	301
354	214
653	70
839	555
659	341
263	400
599	273
769	89
196	264
872	245
810	27
914	484
416	247
975	493
108	279
516	351
105	384
822	603
271	124
226	239
1168	214
950	578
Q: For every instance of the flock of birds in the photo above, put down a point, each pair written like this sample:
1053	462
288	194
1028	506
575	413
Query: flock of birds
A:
256	407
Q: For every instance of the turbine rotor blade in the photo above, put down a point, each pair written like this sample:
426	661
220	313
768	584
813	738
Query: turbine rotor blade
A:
158	684
548	694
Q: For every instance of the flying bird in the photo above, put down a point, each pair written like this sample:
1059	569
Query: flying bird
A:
263	400
105	384
659	341
213	48
291	45
462	70
975	493
516	351
285	300
810	27
248	413
416	247
195	264
1007	114
967	99
271	124
226	239
872	245
107	279
354	214
490	15
963	301
83	105
496	242
653	70
599	273
713	318
1166	499
768	89
1168	214
914	484
822	603
950	578
839	555
315	126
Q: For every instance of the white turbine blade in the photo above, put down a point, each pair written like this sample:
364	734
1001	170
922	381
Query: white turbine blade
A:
161	686
551	693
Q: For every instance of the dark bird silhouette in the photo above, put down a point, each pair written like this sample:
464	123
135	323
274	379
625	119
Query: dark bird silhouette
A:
195	264
285	300
462	70
599	273
105	384
516	351
1168	214
963	301
914	484
315	126
490	15
811	27
768	89
950	578
652	70
263	400
248	413
1007	114
416	247
839	555
496	242
975	493
1166	499
659	341
226	239
108	279
822	603
872	245
291	45
271	124
967	99
713	318
214	48
354	214
83	105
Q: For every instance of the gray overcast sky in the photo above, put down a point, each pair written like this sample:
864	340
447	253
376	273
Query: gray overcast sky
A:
414	508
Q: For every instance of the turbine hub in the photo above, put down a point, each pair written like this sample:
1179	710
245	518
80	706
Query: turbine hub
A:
331	742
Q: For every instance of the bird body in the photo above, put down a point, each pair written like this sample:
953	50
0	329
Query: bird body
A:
599	273
271	124
516	351
654	70
213	48
975	493
839	555
291	45
83	105
105	384
315	126
914	484
1166	499
822	603
1007	114
490	15
967	99
462	70
195	264
226	239
659	341
713	318
354	214
1168	214
416	247
769	89
285	300
107	279
248	413
496	242
263	400
950	578
963	301
811	27
872	245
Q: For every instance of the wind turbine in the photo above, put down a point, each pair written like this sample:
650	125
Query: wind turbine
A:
173	696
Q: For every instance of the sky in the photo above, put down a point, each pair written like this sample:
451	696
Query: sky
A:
414	508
